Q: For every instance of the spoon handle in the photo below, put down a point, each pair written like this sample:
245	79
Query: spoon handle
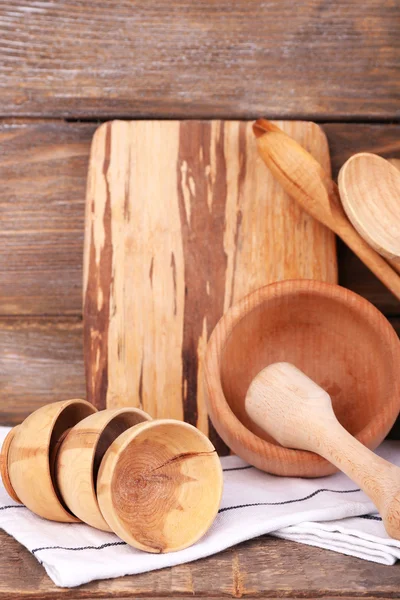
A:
303	178
378	478
395	263
374	261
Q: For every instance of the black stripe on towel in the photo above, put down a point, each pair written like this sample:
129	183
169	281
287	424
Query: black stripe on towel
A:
80	548
370	517
221	510
107	545
238	468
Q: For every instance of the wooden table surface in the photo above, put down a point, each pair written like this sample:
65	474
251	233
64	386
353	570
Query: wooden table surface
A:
262	568
66	66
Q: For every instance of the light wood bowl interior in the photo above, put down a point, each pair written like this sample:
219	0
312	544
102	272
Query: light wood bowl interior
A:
29	456
160	485
334	336
80	455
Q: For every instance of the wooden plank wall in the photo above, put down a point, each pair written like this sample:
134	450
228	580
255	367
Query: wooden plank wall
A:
64	68
309	59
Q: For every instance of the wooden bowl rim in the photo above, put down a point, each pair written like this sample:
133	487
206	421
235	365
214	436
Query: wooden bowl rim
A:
45	457
112	413
111	457
98	429
221	412
5	475
63	405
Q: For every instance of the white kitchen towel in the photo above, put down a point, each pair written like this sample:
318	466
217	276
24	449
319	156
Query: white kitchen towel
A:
329	512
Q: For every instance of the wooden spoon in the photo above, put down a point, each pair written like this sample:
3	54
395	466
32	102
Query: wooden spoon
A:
299	414
370	191
304	179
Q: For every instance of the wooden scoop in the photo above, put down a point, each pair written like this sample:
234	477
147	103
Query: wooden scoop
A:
370	190
299	414
305	180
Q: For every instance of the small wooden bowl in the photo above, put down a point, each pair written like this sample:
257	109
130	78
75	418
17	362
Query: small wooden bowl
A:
334	336
80	455
28	453
159	485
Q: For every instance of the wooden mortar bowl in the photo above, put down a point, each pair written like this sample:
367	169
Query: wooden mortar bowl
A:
159	485
80	455
334	336
28	454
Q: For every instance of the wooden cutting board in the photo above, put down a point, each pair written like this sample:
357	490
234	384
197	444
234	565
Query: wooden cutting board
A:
182	220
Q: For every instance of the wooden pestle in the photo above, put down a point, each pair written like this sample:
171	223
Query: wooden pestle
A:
303	178
298	413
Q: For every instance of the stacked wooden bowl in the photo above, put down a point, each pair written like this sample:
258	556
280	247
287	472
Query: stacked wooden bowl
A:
156	483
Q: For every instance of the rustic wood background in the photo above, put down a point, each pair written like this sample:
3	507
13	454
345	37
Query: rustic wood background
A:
65	68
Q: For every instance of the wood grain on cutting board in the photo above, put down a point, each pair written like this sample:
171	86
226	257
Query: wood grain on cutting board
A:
182	220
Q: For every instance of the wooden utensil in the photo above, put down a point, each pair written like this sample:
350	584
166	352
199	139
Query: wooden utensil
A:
370	190
79	457
338	338
182	220
160	485
305	179
298	413
28	453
